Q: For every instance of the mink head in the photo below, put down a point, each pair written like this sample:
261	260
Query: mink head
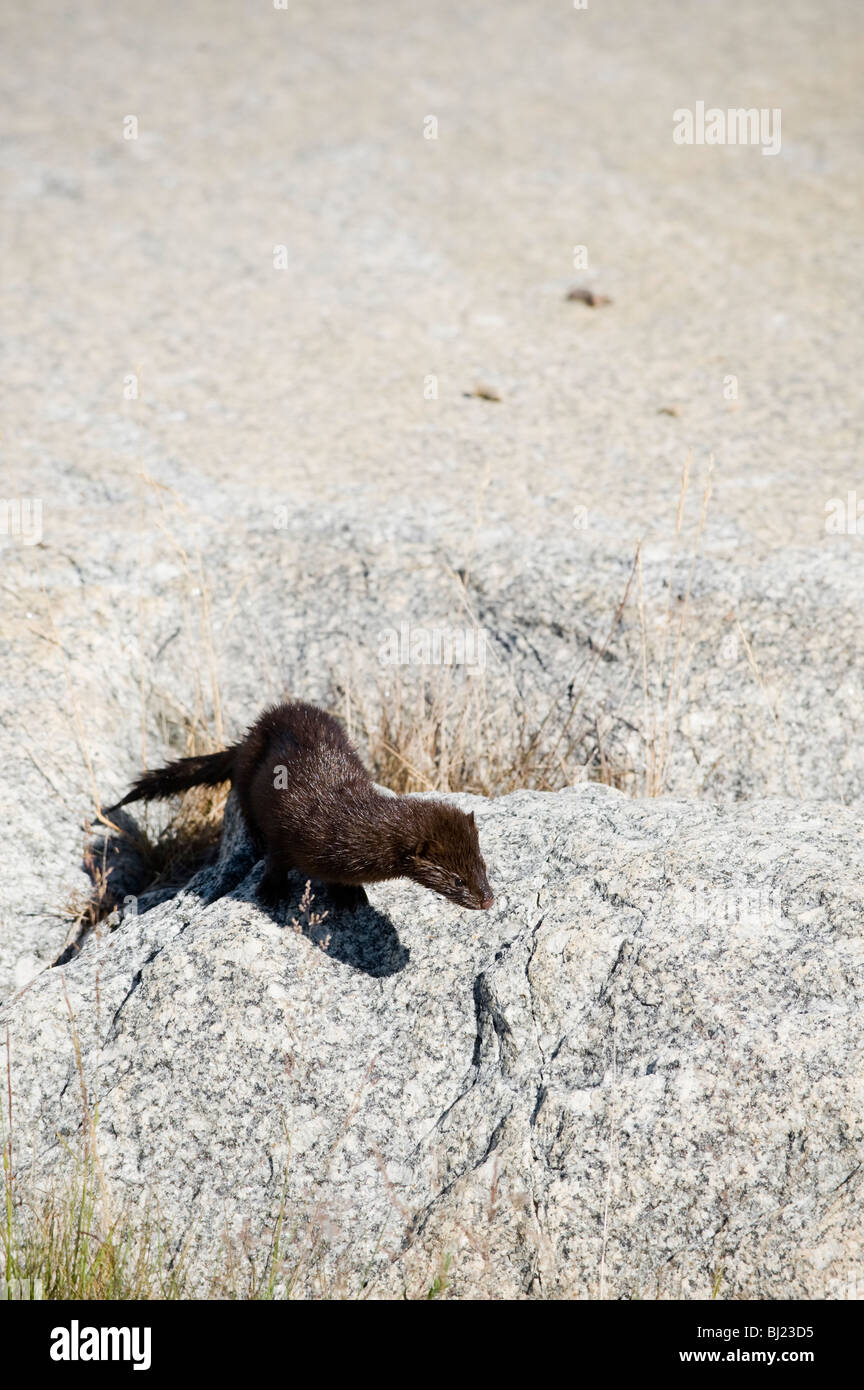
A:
447	858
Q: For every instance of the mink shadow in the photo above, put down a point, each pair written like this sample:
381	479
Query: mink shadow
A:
363	937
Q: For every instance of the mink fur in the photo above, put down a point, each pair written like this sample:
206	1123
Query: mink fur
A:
311	806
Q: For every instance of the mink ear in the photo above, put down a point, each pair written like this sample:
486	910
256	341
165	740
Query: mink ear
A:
421	849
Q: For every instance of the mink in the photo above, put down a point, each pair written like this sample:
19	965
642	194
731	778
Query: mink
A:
310	805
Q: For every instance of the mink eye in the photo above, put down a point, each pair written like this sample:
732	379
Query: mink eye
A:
458	882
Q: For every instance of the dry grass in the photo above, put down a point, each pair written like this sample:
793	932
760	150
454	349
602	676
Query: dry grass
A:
87	910
441	728
191	837
442	731
164	858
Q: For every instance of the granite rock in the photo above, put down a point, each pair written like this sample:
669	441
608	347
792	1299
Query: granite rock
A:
639	1075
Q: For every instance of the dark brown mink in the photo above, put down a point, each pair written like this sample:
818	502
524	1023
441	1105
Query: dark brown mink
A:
310	805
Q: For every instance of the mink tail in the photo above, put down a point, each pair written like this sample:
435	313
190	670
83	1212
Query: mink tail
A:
206	771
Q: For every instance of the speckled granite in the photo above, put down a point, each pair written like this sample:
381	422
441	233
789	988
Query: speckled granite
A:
638	1075
286	431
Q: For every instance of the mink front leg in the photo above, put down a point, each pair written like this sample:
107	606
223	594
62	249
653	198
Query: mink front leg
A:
347	896
272	890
